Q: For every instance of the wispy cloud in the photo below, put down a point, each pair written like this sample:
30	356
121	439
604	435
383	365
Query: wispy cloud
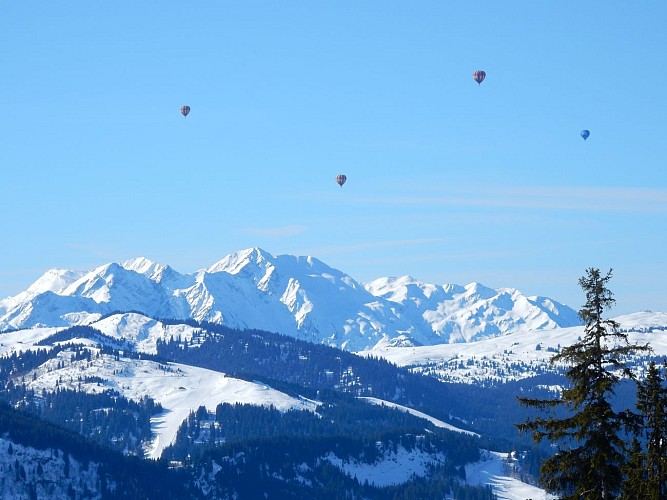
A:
357	247
277	232
451	254
90	250
594	199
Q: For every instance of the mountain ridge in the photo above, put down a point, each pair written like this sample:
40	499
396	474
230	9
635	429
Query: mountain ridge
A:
295	295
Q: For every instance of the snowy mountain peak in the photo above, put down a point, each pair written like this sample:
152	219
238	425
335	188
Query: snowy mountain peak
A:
142	265
163	274
54	280
401	288
235	262
298	296
477	291
96	283
19	306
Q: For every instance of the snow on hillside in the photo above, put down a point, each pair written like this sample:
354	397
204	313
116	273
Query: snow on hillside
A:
298	296
23	340
416	413
396	467
180	389
517	355
142	331
507	357
495	471
401	465
138	331
393	467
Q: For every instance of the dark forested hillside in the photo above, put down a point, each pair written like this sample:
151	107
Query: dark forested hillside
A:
106	416
338	417
244	449
116	475
280	360
249	451
292	468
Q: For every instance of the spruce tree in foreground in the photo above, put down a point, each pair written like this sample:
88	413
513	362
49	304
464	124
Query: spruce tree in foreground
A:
647	472
591	452
635	485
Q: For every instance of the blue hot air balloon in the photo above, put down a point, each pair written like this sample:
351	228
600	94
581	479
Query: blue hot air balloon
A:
585	134
479	76
340	179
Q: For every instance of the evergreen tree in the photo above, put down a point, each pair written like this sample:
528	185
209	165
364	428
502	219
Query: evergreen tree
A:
591	452
652	405
635	485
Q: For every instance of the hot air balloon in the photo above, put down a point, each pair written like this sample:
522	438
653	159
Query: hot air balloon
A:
585	134
340	179
479	76
185	110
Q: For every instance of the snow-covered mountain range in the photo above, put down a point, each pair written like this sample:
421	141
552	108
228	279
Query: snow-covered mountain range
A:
298	296
519	355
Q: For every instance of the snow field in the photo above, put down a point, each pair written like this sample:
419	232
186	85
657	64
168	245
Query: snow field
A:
517	355
180	389
433	420
493	470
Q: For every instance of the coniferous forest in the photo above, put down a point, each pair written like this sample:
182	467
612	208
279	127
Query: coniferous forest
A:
593	456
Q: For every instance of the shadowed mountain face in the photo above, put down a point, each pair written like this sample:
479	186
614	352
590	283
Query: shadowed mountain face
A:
297	296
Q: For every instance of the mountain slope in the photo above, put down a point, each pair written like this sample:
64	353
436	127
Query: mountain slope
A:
297	296
461	314
41	460
178	388
517	355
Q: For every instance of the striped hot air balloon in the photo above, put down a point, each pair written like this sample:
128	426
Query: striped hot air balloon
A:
479	76
185	110
340	179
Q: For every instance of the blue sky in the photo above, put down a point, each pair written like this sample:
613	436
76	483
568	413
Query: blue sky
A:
448	181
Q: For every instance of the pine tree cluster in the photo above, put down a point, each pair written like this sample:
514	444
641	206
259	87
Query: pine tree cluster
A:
594	459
